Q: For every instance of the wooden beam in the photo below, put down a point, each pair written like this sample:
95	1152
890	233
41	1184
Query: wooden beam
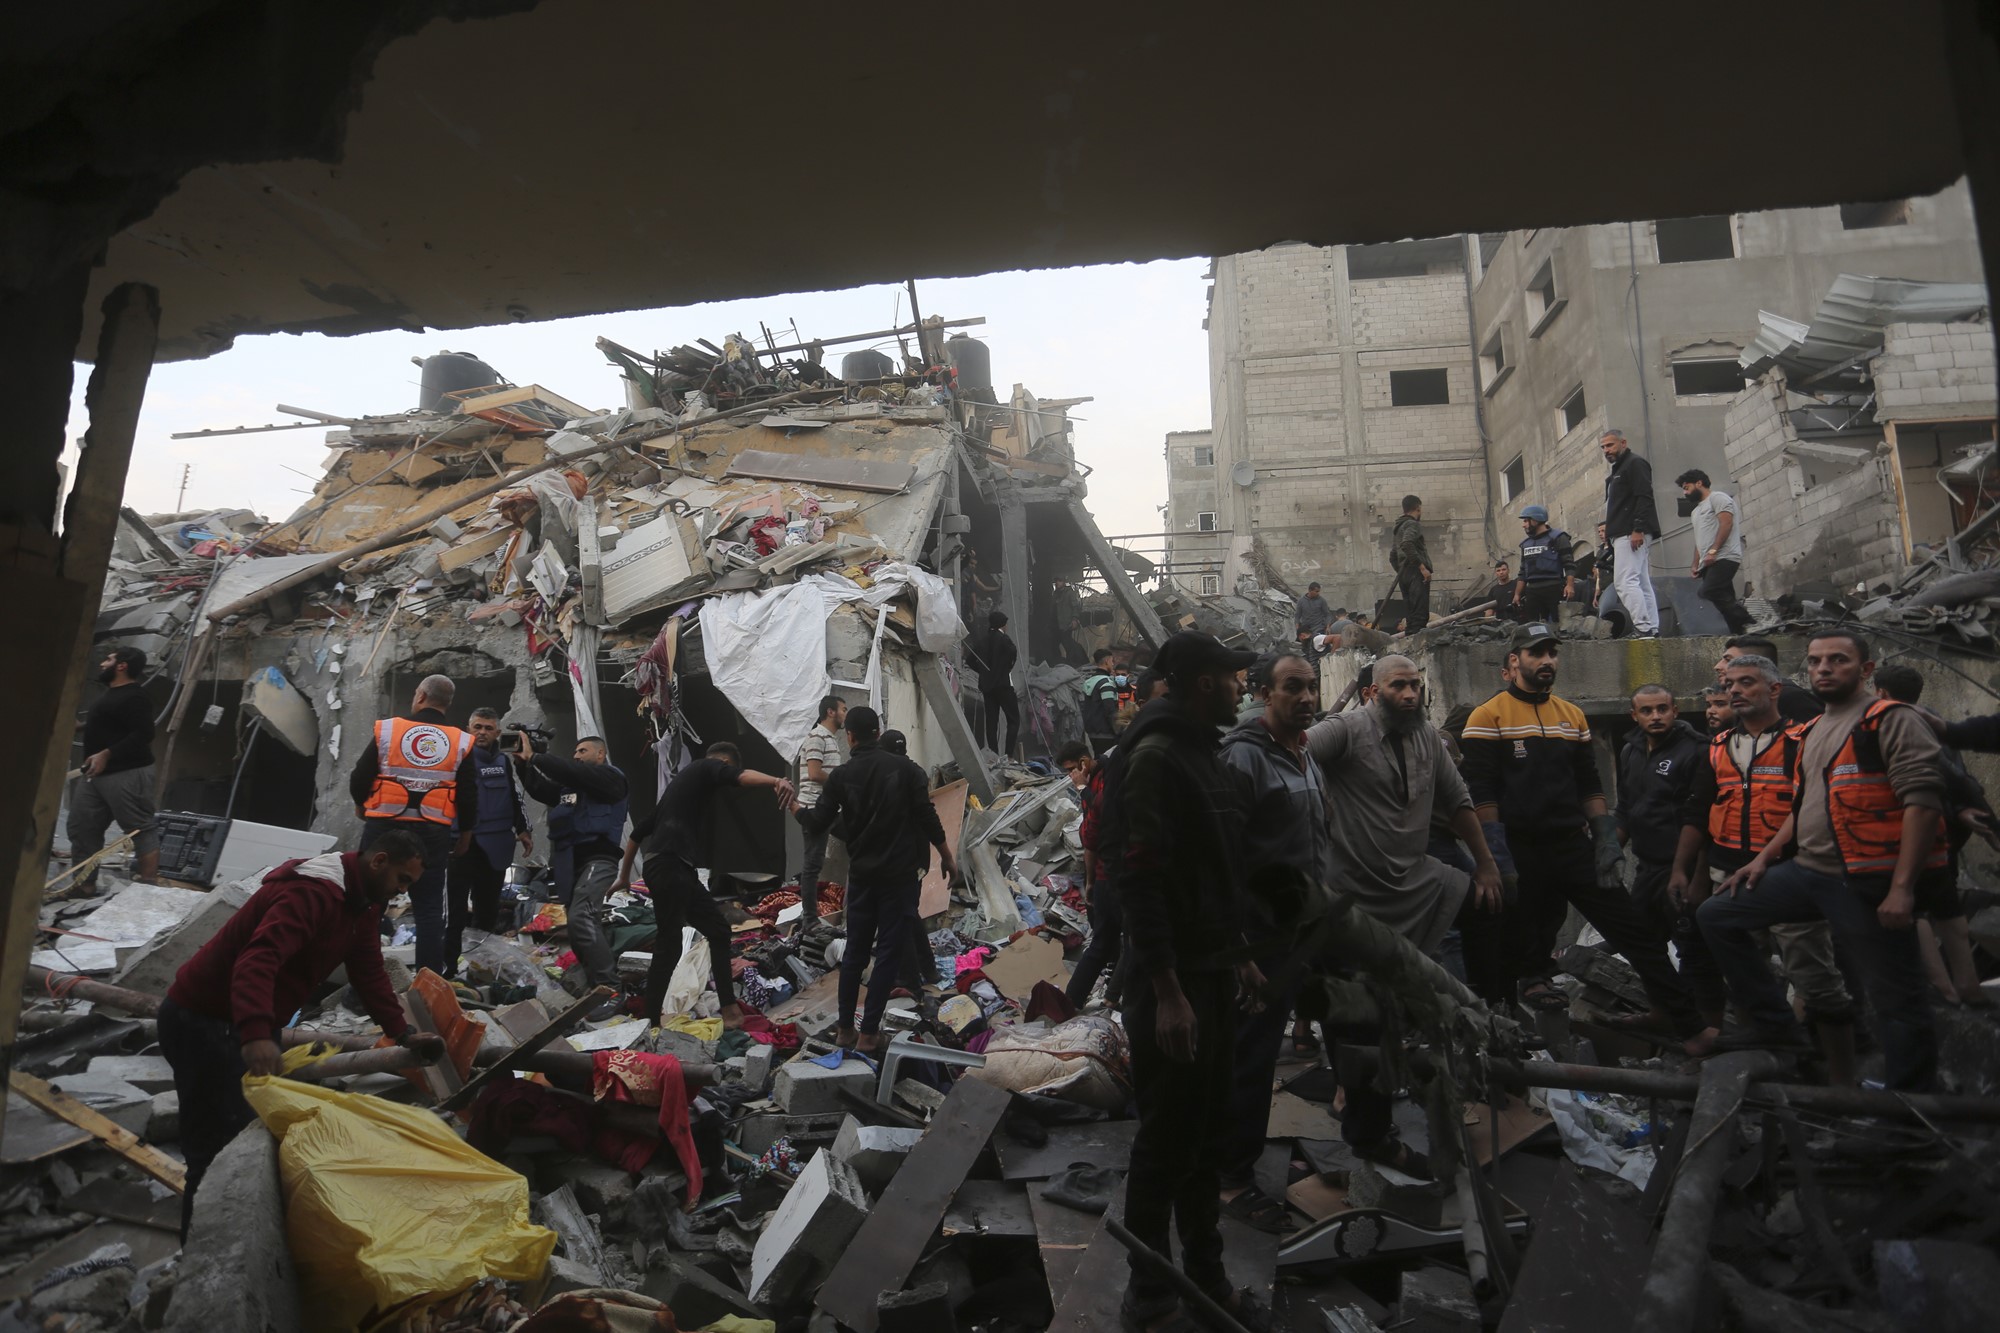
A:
114	1136
55	586
1144	618
506	1065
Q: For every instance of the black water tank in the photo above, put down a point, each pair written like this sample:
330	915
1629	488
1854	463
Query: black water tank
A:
973	360
867	364
450	372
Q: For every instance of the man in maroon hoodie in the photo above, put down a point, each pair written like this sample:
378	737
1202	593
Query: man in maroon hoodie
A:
226	1011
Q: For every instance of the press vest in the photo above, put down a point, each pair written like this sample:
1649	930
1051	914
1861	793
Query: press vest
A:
1866	813
1542	557
496	792
416	776
578	819
1752	806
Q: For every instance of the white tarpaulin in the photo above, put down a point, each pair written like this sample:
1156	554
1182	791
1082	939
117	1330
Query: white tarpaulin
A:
766	652
938	625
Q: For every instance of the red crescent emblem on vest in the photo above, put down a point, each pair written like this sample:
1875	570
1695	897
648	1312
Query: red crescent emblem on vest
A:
425	746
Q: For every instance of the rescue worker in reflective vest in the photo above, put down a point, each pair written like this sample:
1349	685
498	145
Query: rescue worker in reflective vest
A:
586	800
1869	820
1742	795
419	776
1548	567
478	873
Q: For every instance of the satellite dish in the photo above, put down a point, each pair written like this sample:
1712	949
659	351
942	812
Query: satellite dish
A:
1243	474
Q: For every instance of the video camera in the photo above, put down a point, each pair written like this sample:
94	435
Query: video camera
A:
538	737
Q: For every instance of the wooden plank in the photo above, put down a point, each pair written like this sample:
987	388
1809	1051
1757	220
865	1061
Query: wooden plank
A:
989	1208
506	1065
473	548
877	476
1097	1283
1063	1234
114	1136
935	894
907	1216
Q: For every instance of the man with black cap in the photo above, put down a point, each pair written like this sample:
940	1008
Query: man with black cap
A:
1180	809
995	661
1548	567
1540	801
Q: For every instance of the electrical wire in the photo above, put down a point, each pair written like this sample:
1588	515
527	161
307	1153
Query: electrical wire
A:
256	727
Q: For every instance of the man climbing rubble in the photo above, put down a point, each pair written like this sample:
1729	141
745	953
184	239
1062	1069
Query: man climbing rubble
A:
479	872
226	1010
1389	779
1181	809
585	795
884	802
675	838
1540	802
419	777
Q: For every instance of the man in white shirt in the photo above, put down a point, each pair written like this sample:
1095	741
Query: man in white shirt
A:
819	755
1718	546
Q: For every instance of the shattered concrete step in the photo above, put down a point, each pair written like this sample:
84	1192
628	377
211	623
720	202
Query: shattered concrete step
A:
810	1231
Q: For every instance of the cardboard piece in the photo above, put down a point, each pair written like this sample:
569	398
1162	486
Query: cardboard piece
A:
1519	1122
1317	1197
1032	958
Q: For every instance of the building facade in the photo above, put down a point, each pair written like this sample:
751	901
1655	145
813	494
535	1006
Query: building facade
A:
1639	326
1341	379
1196	544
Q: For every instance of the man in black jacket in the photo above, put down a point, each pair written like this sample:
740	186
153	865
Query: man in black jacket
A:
1412	561
1658	767
1182	810
117	781
586	800
1633	522
884	803
996	682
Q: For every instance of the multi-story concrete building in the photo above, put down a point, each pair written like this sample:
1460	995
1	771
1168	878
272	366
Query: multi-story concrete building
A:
1639	326
1341	379
1196	542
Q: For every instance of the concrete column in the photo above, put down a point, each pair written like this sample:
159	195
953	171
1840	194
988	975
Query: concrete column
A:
1144	619
1358	560
957	731
1014	587
54	584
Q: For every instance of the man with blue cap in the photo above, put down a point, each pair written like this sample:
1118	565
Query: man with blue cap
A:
1548	567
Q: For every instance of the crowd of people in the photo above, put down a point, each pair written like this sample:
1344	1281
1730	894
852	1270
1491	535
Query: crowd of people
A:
1613	577
1781	875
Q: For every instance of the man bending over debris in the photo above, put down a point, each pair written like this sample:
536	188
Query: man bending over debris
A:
226	1010
675	840
1182	809
884	801
586	800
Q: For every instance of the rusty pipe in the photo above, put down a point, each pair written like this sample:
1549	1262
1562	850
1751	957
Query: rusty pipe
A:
386	1060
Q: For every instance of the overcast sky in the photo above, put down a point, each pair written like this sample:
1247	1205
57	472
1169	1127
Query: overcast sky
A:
1128	335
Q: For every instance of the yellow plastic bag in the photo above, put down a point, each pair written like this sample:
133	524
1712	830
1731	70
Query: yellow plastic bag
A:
384	1204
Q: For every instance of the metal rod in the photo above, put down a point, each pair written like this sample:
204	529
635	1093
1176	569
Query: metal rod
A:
1672	1294
1210	1311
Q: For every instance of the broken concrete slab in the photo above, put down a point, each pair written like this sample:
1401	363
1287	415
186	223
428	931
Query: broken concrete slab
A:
111	1097
600	1188
236	1273
152	969
697	1298
758	1063
875	1152
805	1088
148	1073
163	1123
808	1234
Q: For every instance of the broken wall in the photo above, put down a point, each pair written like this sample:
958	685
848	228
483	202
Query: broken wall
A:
1803	517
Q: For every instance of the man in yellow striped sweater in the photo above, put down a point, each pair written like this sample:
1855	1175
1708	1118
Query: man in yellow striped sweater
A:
1540	801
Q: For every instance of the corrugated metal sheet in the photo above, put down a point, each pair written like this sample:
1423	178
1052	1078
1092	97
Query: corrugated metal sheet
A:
1850	320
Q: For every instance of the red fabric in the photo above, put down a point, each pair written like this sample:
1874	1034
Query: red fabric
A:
767	534
783	1036
269	958
522	1106
1046	1001
649	1080
967	978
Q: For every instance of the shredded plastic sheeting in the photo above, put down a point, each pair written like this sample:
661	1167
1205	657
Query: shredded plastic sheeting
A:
384	1204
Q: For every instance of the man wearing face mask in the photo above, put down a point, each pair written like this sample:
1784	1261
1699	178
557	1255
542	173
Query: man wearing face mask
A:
1387	774
1181	810
117	781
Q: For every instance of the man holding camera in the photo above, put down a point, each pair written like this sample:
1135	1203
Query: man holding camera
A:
419	777
586	800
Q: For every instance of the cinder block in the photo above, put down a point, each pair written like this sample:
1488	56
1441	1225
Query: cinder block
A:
804	1088
163	1122
152	968
757	1066
698	1298
875	1152
808	1233
567	1275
